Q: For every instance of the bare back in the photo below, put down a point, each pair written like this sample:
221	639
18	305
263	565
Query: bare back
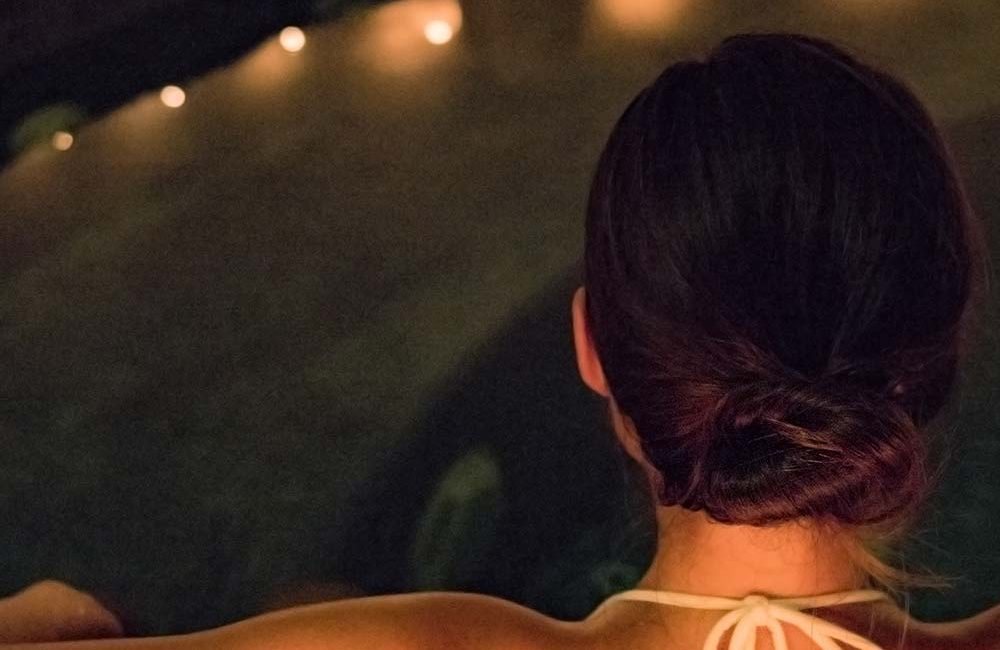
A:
464	621
641	626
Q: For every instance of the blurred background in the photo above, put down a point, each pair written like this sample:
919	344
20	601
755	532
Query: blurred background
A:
284	304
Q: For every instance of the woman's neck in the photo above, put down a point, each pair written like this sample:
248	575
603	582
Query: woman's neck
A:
697	555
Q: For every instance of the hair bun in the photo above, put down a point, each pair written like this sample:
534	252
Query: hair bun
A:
775	452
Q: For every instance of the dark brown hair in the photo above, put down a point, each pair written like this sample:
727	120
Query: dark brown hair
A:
780	265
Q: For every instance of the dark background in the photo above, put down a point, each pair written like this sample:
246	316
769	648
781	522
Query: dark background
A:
307	335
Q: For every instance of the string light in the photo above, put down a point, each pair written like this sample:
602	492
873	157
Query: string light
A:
62	140
292	39
438	32
172	96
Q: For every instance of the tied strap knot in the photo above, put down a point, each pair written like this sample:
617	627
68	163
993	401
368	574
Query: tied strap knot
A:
747	614
754	611
758	609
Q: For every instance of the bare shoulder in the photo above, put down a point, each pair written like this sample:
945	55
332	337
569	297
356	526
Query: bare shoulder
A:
453	620
978	632
395	622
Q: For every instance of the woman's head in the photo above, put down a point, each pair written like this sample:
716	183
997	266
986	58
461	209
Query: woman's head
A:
780	267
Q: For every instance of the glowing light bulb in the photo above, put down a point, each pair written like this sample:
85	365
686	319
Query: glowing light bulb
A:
62	141
172	96
438	32
292	39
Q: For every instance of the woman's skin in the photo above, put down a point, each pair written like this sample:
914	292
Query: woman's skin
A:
50	610
694	555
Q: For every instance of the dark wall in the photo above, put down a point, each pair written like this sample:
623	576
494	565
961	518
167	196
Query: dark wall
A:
38	29
66	52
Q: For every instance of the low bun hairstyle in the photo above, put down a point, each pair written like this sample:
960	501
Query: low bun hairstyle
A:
772	451
781	266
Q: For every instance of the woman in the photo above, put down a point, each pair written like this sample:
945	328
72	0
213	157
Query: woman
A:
780	273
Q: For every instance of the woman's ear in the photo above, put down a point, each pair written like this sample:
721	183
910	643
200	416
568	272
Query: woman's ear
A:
587	361
625	432
593	375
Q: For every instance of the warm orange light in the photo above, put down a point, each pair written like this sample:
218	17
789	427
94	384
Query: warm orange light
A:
172	96
269	66
292	39
438	32
648	16
62	140
396	34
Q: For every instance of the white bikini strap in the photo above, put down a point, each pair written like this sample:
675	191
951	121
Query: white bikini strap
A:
758	611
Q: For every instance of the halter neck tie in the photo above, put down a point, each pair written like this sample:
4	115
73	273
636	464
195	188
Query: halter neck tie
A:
755	611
